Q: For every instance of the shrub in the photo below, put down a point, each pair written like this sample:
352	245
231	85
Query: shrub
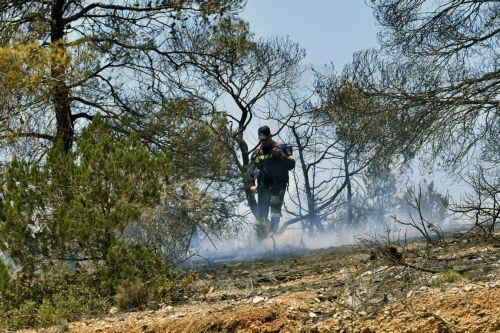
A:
50	297
71	304
23	316
56	294
78	206
442	278
131	294
450	276
125	262
168	289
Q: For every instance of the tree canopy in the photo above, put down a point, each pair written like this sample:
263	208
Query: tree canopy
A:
88	58
438	69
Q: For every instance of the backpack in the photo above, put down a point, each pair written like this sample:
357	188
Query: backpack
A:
282	146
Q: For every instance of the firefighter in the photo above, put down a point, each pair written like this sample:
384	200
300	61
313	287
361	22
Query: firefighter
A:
270	164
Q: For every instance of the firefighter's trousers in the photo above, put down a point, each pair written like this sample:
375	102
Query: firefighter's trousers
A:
270	198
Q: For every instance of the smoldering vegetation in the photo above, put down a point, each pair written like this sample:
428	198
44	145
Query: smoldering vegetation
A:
417	213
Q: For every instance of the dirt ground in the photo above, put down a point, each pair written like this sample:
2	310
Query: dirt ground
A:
454	288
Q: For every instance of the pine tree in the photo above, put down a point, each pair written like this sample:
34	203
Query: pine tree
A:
76	205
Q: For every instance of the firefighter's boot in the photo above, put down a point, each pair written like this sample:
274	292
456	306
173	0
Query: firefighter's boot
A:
275	204
275	223
262	227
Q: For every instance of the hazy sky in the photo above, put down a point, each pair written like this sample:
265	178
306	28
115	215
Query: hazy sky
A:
328	30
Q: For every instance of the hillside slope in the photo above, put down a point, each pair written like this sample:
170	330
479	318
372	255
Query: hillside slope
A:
334	290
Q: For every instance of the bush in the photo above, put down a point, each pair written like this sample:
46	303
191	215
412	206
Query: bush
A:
125	262
171	288
450	276
445	277
51	297
71	304
23	316
131	294
56	294
78	206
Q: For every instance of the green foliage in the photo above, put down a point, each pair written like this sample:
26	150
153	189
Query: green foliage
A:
232	40
90	205
24	316
5	278
451	276
57	294
76	205
71	304
52	296
132	261
448	276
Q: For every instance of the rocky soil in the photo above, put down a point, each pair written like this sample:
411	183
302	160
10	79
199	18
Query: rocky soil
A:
414	288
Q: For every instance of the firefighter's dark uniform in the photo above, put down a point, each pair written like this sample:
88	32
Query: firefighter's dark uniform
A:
271	173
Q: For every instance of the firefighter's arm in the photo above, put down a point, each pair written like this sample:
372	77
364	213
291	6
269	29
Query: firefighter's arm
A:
288	157
290	162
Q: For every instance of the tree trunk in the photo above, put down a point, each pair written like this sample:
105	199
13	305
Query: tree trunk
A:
350	217
60	91
252	202
313	221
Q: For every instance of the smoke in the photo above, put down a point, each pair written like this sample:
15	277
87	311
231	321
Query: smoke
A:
373	217
247	247
291	242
